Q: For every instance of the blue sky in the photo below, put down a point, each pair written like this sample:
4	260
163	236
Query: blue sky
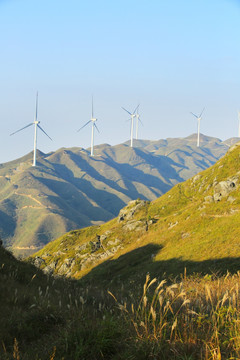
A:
172	57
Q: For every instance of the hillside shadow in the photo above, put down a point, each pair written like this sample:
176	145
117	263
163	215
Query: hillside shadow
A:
71	202
164	165
137	263
129	174
7	225
184	154
90	171
103	198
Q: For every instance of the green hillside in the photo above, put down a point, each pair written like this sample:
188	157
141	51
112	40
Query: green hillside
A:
194	225
70	190
117	310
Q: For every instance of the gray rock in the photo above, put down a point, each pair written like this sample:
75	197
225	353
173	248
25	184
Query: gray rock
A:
128	212
49	269
38	261
81	247
93	258
95	245
223	188
152	221
53	265
171	225
82	256
69	262
66	266
135	225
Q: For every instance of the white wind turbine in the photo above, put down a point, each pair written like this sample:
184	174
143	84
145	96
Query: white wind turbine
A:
133	115
93	121
137	122
36	126
198	131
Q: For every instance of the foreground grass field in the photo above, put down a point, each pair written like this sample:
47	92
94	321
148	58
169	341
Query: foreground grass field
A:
183	317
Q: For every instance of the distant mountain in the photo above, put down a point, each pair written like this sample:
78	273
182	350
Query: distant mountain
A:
69	189
194	226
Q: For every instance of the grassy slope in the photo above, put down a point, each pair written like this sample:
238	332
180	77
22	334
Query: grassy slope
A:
188	232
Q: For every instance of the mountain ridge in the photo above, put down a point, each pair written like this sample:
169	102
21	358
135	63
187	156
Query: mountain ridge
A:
70	190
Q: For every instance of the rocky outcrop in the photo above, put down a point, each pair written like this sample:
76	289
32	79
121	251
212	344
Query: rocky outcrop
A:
49	269
38	261
96	244
93	258
85	254
66	267
81	247
135	225
127	212
224	188
99	248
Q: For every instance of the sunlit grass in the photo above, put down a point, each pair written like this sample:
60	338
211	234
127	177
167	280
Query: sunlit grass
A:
187	317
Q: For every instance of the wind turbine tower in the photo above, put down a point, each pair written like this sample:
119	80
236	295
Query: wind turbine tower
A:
198	128
93	121
36	123
133	115
137	122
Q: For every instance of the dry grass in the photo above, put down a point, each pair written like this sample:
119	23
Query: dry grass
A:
192	317
196	318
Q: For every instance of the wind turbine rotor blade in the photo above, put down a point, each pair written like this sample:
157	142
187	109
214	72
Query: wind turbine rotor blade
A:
21	129
129	120
202	112
96	127
136	109
44	131
84	125
194	115
127	111
140	121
